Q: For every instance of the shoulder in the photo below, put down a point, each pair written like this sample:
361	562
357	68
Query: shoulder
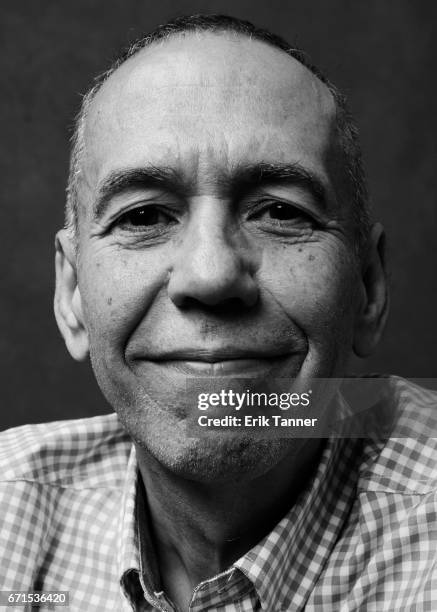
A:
79	452
387	554
406	461
61	492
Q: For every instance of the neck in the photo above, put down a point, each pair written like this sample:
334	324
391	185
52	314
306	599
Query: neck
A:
200	529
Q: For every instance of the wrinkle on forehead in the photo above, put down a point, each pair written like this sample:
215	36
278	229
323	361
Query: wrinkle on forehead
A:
197	89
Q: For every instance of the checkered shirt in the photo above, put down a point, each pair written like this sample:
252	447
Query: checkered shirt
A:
362	536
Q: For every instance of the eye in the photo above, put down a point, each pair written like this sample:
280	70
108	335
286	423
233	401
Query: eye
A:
145	216
279	213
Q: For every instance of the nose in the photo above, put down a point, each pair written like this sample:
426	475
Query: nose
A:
213	264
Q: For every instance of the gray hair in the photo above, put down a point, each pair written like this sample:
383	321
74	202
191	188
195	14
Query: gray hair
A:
347	132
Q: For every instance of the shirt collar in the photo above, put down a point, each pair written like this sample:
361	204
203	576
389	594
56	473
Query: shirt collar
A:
139	583
127	542
284	566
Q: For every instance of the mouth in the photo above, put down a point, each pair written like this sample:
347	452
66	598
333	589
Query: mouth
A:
227	362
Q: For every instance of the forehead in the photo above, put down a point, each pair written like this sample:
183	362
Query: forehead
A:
208	98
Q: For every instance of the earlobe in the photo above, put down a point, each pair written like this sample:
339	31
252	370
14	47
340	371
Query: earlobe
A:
68	303
372	313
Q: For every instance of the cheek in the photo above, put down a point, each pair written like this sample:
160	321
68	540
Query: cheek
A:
116	290
315	287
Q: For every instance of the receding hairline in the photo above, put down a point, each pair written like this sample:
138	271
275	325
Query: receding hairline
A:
346	131
141	58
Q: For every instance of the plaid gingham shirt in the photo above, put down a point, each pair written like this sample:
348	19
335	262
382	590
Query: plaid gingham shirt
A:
362	536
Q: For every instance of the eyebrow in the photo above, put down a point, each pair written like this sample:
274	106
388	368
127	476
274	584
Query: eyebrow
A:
241	179
127	179
260	174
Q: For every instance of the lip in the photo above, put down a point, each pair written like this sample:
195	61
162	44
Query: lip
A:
223	363
215	355
228	367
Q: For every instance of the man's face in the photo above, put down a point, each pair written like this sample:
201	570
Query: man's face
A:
212	240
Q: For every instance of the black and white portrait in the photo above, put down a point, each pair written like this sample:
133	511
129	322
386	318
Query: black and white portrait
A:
219	292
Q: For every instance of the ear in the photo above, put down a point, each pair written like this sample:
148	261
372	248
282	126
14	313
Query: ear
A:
68	303
374	304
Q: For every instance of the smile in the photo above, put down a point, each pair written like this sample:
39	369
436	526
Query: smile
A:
228	367
223	364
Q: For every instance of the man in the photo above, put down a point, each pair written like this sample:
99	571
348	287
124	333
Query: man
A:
217	229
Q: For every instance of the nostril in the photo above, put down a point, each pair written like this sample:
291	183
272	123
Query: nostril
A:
227	308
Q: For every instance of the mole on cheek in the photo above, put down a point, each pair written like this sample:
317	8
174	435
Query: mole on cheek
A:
109	301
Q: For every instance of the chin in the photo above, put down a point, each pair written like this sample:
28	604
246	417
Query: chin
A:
161	432
216	457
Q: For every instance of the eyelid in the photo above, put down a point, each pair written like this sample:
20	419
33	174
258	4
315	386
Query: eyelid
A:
116	221
265	202
132	197
165	208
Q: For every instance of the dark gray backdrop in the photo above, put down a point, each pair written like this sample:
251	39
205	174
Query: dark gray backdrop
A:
380	52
